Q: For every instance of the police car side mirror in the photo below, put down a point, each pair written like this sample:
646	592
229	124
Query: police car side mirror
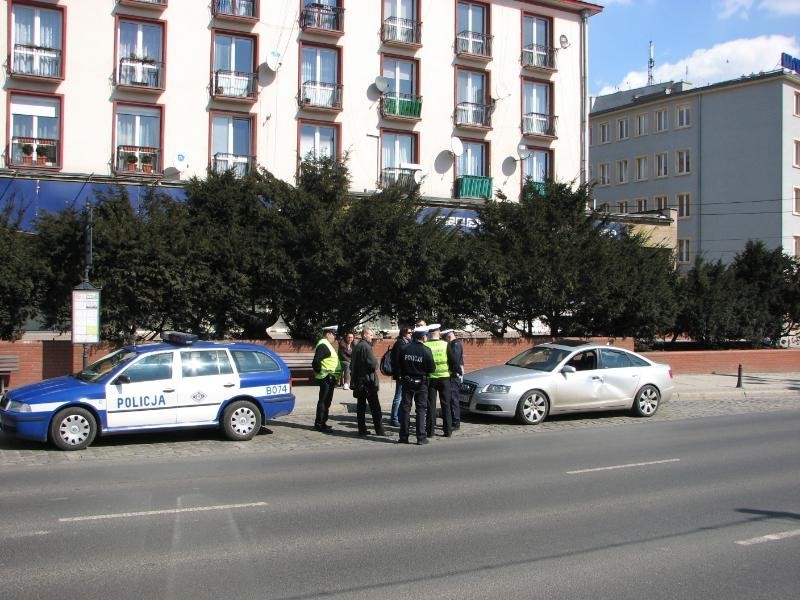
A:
121	379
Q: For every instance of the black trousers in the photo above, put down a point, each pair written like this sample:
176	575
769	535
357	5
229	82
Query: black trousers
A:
418	392
326	387
439	387
455	400
371	398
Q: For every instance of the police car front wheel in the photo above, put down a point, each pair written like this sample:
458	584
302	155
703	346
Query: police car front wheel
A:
73	428
241	420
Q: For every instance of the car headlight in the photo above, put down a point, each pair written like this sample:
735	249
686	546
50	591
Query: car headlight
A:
496	388
14	406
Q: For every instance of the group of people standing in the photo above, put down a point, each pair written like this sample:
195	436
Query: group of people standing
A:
427	363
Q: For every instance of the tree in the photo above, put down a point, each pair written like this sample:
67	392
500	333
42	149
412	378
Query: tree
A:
19	272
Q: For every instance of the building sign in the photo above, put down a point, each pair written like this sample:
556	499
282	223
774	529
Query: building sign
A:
790	62
85	314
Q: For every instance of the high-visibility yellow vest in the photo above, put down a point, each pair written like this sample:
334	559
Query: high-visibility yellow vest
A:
330	365
439	351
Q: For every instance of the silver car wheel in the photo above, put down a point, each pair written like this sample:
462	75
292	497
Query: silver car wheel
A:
241	420
647	400
533	408
73	429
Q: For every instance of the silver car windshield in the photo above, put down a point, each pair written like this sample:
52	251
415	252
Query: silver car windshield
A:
539	358
97	370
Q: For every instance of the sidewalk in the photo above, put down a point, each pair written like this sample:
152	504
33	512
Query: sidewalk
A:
715	386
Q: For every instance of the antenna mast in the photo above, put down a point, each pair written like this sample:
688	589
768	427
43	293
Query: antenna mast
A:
650	65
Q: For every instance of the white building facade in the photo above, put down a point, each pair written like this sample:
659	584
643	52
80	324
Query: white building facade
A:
465	97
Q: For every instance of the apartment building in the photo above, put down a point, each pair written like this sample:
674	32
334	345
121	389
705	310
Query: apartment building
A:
463	97
725	156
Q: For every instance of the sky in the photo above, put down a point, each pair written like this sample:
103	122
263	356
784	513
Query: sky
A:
699	41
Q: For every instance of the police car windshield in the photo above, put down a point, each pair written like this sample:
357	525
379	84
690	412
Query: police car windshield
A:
97	370
539	358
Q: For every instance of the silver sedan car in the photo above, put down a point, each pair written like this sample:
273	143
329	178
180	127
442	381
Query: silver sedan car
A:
565	377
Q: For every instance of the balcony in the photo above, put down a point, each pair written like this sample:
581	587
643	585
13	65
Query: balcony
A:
36	61
539	187
141	73
472	44
404	32
138	160
398	176
401	106
320	94
34	152
322	18
158	4
241	164
235	9
470	114
474	186
233	85
540	125
537	57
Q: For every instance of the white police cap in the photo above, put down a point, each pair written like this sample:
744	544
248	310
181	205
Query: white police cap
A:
434	326
446	331
331	328
421	330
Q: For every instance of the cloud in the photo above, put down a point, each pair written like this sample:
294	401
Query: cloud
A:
728	60
729	8
742	8
780	7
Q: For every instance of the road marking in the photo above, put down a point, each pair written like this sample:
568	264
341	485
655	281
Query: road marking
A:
170	511
772	537
628	466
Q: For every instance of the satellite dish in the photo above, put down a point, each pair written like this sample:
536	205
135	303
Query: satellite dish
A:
418	177
382	84
564	41
273	60
456	146
523	151
501	90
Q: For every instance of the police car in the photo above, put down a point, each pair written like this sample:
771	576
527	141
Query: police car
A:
180	383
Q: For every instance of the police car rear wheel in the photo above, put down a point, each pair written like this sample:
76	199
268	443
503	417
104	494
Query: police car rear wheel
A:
241	420
73	429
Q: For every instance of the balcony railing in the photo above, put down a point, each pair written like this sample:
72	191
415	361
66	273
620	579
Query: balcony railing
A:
401	31
539	124
235	8
323	17
401	106
397	176
40	152
157	3
320	94
241	164
535	56
234	84
474	44
138	159
36	61
470	114
140	72
540	187
474	186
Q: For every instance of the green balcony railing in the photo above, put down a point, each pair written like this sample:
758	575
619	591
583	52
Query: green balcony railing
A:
539	186
473	186
401	105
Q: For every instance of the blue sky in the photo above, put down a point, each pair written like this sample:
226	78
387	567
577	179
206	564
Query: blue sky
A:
711	40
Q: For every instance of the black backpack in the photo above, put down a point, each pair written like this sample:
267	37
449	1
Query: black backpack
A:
387	368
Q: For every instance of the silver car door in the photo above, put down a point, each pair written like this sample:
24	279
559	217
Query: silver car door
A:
620	378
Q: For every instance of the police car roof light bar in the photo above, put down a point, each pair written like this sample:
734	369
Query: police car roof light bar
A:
178	337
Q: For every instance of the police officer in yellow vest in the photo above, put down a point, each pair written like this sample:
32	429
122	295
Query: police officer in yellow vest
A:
327	371
438	381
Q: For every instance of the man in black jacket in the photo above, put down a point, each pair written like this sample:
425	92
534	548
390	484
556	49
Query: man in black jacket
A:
365	384
402	339
416	364
455	362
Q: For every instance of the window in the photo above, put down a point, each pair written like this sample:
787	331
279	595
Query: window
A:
641	124
537	50
797	153
622	129
605	176
683	165
36	41
234	66
400	22
472	108
138	135
537	166
237	8
154	367
797	247
317	140
604	137
623	206
641	205
321	14
661	164
320	77
401	98
683	251
231	144
397	149
684	205
641	168
473	29
139	51
472	170
797	104
684	115
250	361
616	359
661	202
622	171
661	120
797	200
536	117
35	130
201	363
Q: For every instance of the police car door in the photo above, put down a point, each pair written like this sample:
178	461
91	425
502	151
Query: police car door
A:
143	394
207	380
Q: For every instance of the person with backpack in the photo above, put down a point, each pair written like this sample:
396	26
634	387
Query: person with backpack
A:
403	338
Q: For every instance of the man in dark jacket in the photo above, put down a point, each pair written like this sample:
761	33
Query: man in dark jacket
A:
416	364
402	339
455	362
365	384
